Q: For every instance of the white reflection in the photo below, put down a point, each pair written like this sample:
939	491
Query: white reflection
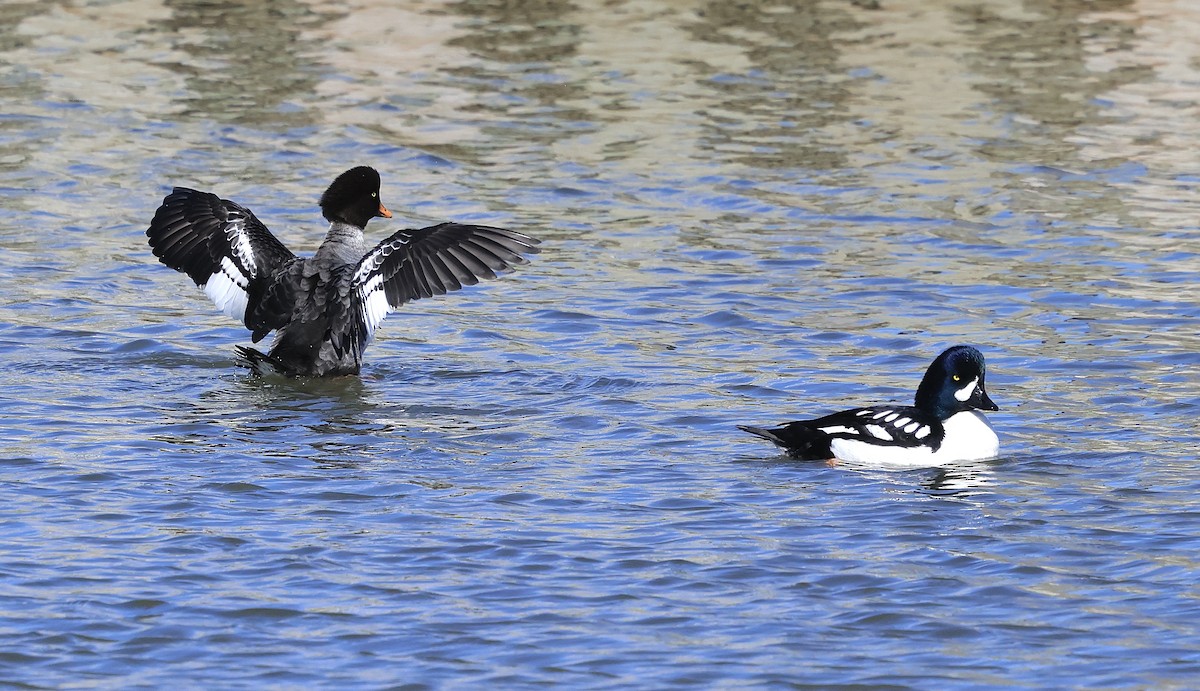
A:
952	479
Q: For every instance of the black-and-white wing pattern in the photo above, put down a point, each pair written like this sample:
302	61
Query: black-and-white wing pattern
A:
903	426
228	252
415	264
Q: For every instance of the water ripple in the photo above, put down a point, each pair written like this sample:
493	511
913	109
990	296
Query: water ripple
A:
761	213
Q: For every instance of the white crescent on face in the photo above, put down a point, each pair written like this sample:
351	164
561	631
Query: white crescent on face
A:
965	392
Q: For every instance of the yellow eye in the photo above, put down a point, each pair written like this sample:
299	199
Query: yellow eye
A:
956	377
374	194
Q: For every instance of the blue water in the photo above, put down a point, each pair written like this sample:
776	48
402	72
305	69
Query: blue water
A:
749	213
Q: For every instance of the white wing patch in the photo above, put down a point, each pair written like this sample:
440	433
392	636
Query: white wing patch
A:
923	432
838	429
369	267
227	289
371	291
239	242
375	304
880	414
376	260
879	432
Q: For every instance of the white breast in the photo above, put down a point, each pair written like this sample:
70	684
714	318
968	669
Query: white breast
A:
969	437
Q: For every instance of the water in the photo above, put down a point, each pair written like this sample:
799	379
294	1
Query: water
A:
751	213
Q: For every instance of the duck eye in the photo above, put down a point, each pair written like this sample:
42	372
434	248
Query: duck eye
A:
957	378
374	194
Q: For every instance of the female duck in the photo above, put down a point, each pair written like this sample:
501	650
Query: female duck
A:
324	309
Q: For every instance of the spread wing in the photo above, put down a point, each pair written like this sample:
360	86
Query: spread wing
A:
415	264
221	245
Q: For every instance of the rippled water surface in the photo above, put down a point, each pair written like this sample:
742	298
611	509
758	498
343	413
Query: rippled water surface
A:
751	212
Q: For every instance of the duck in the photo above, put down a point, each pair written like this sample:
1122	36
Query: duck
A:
323	309
944	425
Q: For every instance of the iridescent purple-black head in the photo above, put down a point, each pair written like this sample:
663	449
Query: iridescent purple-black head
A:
954	383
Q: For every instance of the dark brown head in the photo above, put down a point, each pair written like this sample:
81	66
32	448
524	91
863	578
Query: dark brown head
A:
354	198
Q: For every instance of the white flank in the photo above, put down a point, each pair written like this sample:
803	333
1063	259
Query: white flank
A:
838	429
227	289
965	392
969	437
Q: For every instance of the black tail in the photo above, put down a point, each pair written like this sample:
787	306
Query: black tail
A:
258	362
798	439
764	433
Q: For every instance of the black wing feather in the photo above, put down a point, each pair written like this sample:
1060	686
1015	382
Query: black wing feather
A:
202	235
415	264
903	426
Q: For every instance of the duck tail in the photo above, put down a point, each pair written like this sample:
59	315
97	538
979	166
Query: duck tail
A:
798	439
259	362
767	434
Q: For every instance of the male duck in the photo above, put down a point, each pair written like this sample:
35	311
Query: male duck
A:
944	425
324	309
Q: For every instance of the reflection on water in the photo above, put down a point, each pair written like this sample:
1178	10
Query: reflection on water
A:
755	123
961	480
948	480
243	62
751	210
